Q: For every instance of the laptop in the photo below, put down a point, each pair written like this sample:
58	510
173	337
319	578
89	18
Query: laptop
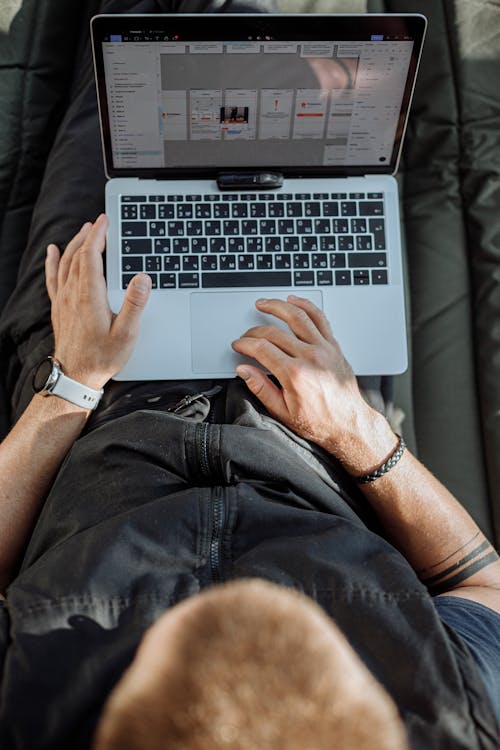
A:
254	156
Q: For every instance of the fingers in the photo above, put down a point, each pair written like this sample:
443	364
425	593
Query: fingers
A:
51	268
265	390
265	352
126	324
296	316
73	246
317	316
282	339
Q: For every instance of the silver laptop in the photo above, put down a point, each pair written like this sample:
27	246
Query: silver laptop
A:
254	156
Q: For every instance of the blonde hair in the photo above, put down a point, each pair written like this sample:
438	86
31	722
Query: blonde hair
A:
253	666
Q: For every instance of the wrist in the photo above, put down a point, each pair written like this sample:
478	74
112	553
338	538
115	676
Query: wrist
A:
366	443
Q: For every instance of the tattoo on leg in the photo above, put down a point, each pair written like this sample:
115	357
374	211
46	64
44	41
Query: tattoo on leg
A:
462	569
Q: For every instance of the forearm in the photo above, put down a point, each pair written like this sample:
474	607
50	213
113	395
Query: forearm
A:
420	517
30	457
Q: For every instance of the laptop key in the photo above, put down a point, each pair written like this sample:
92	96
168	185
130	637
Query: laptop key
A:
154	280
134	247
286	226
345	242
227	263
303	278
304	226
358	225
273	244
327	243
249	226
320	260
257	210
330	208
264	262
175	228
311	209
367	260
282	261
162	246
337	260
371	208
231	227
194	228
132	264
209	262
348	208
300	260
276	210
364	242
184	211
361	278
322	226
267	226
171	263
133	198
221	211
379	277
239	210
199	245
377	228
294	209
203	211
166	211
217	244
236	245
257	279
254	245
309	244
324	278
148	211
189	280
343	278
291	244
157	228
180	245
246	262
134	229
190	263
212	228
340	226
129	211
153	263
168	281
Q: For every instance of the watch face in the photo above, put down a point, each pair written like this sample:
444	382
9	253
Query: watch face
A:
42	374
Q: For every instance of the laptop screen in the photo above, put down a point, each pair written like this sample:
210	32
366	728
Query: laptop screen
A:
184	97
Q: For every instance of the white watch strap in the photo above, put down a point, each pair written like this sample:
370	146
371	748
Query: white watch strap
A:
76	393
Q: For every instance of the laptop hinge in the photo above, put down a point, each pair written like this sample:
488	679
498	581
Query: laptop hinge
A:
249	180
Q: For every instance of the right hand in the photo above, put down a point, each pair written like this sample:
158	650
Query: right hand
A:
319	397
91	342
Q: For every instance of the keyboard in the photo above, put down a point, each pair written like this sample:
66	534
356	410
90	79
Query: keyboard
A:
232	240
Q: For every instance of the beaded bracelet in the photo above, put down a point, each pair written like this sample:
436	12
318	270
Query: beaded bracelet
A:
386	466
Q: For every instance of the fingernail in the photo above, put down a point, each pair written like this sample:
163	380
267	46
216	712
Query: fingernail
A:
243	373
261	301
49	248
292	296
142	284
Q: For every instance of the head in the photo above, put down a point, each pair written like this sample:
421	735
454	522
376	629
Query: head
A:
248	666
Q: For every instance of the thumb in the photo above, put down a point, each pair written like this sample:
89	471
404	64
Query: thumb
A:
266	391
136	296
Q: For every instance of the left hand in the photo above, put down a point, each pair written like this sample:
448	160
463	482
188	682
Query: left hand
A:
91	342
319	397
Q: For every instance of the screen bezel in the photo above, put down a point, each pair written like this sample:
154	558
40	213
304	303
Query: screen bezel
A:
276	27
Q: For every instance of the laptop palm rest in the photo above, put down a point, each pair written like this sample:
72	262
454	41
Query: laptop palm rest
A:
218	318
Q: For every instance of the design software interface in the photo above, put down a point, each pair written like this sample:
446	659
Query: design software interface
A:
229	104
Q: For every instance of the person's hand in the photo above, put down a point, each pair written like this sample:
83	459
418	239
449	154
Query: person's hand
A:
319	397
91	342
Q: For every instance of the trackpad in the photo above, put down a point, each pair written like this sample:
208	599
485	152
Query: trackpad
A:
218	318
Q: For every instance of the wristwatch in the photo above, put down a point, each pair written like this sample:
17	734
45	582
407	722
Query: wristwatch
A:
49	380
